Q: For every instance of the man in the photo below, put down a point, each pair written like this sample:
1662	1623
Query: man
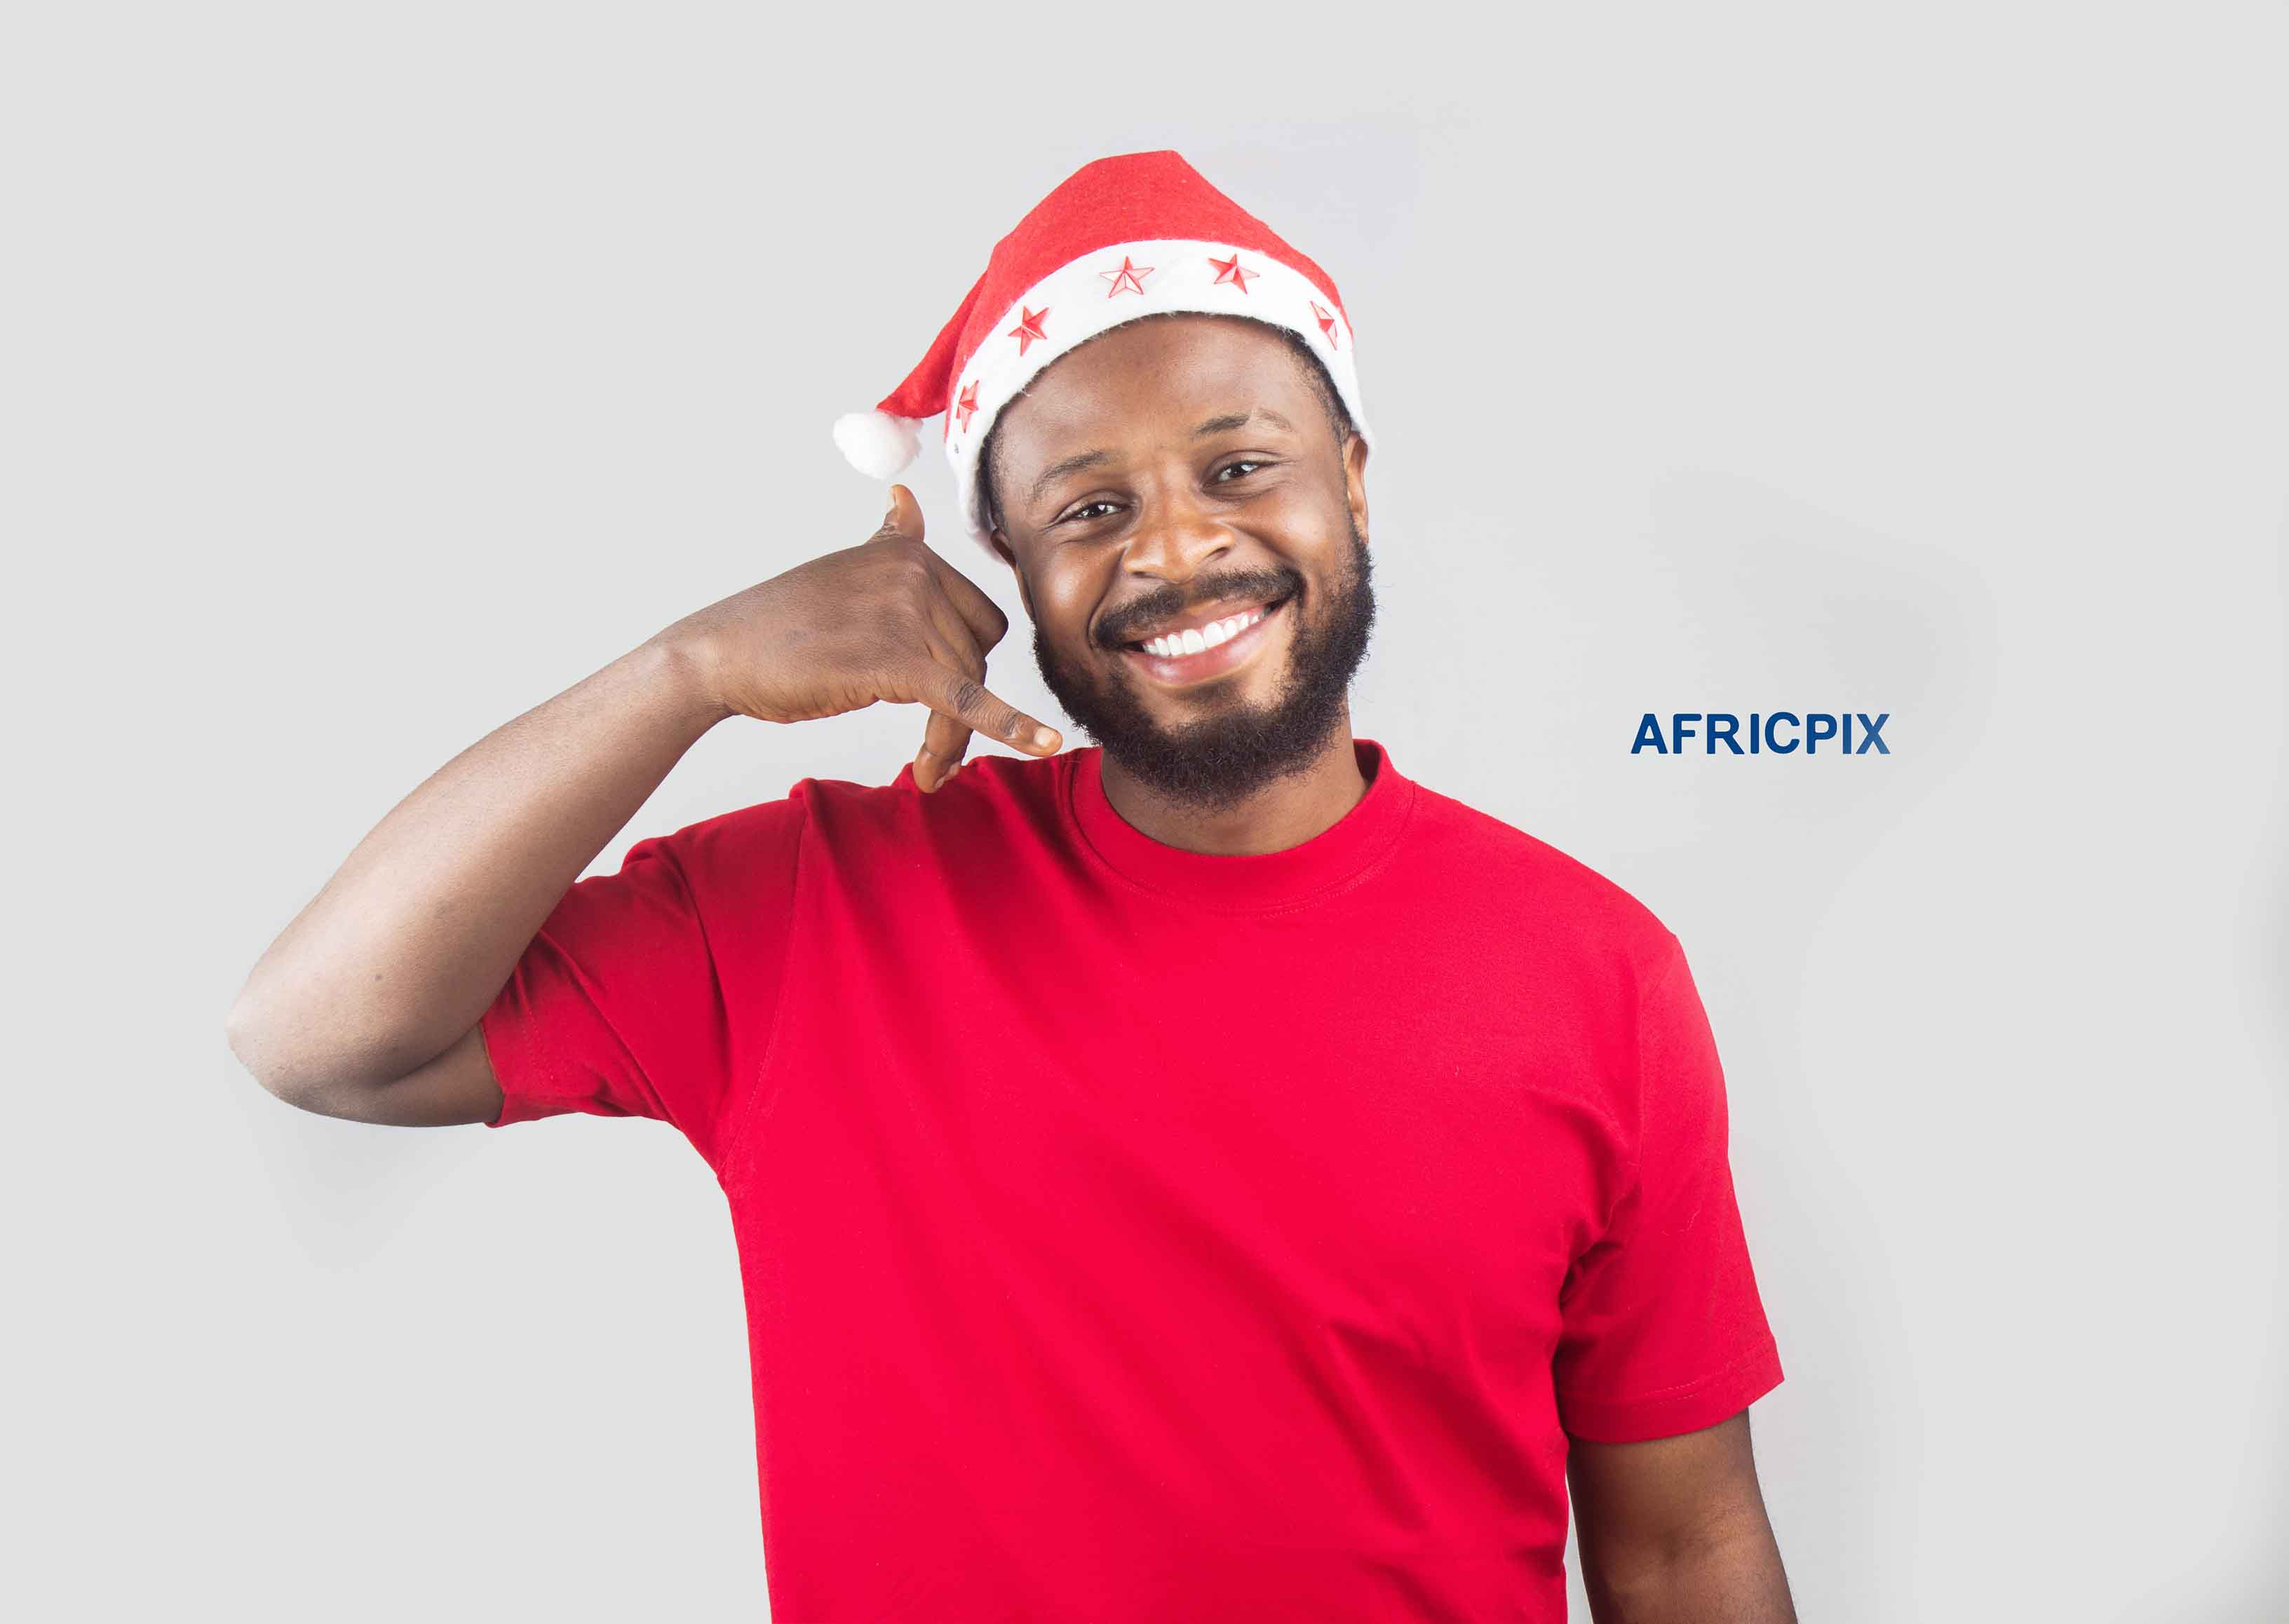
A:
1202	1176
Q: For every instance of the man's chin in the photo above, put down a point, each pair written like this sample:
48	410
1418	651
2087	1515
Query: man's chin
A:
1210	761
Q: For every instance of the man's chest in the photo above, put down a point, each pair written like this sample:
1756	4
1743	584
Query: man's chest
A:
1195	1123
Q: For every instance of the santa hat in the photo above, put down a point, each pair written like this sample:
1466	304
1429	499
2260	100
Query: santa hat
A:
1125	237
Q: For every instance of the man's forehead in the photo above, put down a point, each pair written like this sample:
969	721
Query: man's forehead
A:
1169	381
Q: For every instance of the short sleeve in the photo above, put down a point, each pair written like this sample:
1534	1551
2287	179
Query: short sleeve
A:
1663	1331
654	992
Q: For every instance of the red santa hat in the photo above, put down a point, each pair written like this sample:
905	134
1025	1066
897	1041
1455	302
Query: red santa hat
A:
1122	237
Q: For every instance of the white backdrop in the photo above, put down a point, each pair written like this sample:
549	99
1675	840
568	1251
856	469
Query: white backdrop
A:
370	375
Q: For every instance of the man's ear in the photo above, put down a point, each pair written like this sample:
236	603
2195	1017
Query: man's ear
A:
1355	482
1010	557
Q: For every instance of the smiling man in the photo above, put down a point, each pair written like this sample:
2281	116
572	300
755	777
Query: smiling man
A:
1203	1174
1207	674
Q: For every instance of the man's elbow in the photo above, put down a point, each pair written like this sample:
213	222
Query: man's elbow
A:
252	1032
263	1038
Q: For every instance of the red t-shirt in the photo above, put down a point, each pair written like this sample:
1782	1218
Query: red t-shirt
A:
1134	1233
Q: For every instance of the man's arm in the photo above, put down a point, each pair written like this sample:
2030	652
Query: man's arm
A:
368	1005
1673	1531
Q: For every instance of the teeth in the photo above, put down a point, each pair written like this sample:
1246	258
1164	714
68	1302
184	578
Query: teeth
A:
1207	637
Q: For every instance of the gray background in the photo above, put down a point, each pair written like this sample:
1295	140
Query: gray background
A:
370	376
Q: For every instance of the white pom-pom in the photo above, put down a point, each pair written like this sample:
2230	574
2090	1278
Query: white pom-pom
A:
878	444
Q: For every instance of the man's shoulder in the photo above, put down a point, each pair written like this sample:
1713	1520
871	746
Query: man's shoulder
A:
860	828
1534	881
992	795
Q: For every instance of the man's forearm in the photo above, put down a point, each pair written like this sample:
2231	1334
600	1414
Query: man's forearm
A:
407	945
1733	1580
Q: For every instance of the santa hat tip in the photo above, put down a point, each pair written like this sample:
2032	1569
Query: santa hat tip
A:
878	444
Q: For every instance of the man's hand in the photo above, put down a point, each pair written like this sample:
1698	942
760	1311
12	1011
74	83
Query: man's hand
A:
887	619
1673	1531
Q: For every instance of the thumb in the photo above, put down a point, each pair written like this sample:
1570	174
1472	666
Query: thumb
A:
905	513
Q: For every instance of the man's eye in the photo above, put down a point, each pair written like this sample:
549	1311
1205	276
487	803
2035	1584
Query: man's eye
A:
1082	512
1232	466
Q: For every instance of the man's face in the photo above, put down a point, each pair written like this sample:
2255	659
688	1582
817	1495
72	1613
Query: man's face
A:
1178	473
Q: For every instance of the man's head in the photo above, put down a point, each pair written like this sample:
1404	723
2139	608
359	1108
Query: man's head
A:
1181	470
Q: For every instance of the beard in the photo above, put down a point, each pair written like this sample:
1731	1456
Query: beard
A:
1232	751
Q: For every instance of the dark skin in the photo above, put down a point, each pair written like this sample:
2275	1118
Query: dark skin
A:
367	1005
1673	1531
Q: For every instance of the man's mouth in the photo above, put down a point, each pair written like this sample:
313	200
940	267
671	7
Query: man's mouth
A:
1207	643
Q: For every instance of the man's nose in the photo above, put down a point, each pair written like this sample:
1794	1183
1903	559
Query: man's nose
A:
1182	532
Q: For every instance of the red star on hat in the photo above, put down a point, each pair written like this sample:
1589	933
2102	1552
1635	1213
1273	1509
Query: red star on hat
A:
1028	327
1230	270
1326	319
967	404
1128	277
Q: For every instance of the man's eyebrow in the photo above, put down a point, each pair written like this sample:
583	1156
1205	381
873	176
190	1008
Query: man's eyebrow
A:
1094	459
1241	419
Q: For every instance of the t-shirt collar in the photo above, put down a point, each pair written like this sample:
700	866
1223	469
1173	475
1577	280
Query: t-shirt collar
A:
1338	856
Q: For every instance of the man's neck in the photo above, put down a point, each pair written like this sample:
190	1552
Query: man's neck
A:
1288	811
